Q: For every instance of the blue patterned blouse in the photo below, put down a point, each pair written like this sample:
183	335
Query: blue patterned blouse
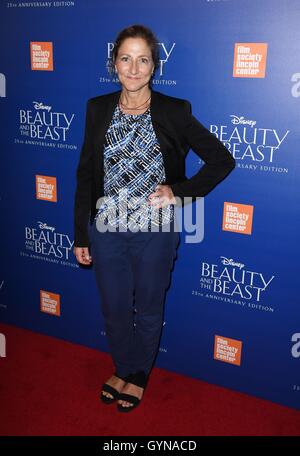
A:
133	166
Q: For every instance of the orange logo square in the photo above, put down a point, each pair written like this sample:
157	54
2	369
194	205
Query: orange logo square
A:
237	218
250	60
41	55
46	188
50	302
228	350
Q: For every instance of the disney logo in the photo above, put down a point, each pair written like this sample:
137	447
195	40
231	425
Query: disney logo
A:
231	262
44	226
241	120
39	105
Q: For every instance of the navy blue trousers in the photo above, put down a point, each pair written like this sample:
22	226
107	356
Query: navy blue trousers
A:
133	271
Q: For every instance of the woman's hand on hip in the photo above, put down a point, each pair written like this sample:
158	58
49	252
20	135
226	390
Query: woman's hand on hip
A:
82	255
162	197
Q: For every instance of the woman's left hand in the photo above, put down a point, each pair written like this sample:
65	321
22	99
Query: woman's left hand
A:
162	197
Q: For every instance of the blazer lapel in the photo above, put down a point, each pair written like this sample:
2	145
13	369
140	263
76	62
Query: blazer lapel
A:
166	135
104	113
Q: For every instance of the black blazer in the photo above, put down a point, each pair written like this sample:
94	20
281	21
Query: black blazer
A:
177	131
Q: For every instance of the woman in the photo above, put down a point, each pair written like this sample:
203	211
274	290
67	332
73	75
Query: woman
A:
135	144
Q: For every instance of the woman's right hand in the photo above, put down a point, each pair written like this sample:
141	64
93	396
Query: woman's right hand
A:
82	255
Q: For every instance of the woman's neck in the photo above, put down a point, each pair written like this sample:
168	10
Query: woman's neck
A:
135	100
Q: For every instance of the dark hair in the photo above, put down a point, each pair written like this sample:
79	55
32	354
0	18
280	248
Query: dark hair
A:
137	31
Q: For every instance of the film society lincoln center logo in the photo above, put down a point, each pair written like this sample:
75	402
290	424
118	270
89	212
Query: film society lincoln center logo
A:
250	60
41	56
237	218
228	350
50	303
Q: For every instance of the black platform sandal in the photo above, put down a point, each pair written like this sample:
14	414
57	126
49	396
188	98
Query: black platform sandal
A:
138	379
111	390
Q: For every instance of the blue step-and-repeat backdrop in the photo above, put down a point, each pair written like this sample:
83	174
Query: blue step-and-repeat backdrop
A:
232	313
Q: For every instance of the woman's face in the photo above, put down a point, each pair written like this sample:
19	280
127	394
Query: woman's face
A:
134	64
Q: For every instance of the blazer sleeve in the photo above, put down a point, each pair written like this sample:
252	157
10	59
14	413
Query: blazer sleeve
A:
218	161
84	175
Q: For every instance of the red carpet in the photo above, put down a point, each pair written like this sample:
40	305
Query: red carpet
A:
50	387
